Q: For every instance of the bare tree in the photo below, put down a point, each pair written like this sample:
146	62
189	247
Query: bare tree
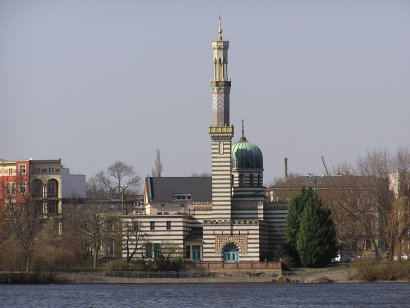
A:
169	257
157	170
133	238
92	229
20	220
115	180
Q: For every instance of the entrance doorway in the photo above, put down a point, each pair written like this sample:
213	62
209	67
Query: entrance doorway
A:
231	253
196	253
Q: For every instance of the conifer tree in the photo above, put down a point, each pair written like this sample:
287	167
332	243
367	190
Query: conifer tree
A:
295	210
316	239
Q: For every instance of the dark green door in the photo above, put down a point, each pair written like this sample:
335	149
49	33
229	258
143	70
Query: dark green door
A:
196	253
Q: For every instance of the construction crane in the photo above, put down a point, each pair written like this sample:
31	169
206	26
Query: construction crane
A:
324	164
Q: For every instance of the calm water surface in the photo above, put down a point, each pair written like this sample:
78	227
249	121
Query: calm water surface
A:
205	295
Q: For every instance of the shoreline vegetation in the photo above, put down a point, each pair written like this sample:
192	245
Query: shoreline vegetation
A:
341	273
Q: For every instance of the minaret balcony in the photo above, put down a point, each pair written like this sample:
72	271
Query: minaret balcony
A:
220	83
221	130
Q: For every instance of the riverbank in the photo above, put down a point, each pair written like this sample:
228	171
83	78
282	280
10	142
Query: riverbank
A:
339	275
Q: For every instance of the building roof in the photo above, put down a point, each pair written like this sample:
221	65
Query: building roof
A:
345	181
162	189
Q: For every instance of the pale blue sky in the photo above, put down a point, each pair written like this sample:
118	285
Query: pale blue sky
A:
92	82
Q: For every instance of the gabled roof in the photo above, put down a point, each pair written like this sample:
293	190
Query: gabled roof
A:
161	189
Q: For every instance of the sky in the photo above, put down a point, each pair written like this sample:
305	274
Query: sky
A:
94	82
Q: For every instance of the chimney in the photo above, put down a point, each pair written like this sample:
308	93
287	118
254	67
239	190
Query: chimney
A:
285	161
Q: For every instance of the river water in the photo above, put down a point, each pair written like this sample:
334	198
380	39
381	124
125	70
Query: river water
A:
207	295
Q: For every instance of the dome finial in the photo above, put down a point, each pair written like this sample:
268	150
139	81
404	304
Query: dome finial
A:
243	130
220	29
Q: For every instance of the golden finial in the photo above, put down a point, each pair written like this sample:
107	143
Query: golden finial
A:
220	29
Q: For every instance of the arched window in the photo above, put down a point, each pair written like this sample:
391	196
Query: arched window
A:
52	188
251	180
37	189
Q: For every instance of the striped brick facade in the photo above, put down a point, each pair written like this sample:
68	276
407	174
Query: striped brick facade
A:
221	171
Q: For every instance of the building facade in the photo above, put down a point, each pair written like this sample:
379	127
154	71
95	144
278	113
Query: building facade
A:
38	183
222	218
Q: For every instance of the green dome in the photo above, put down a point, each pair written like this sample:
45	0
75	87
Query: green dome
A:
246	155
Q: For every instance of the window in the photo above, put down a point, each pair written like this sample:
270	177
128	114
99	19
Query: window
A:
37	170
10	171
157	250
135	225
152	225
181	197
148	250
241	180
187	252
37	189
22	169
166	213
23	187
259	180
38	207
251	180
22	206
52	188
52	207
11	188
159	213
50	170
368	244
168	225
221	148
10	206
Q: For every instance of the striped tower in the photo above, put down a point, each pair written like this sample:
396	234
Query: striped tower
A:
220	131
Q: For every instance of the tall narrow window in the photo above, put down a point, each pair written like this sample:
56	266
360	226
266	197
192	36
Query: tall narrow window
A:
152	225
23	187
22	169
251	180
52	207
157	250
221	148
168	225
148	250
52	188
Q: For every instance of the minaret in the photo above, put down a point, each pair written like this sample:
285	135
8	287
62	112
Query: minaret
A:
220	131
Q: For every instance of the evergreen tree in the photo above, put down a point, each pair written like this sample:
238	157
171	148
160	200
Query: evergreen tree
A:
295	210
316	238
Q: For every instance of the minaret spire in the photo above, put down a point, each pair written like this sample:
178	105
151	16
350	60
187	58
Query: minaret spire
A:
220	83
221	131
220	30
